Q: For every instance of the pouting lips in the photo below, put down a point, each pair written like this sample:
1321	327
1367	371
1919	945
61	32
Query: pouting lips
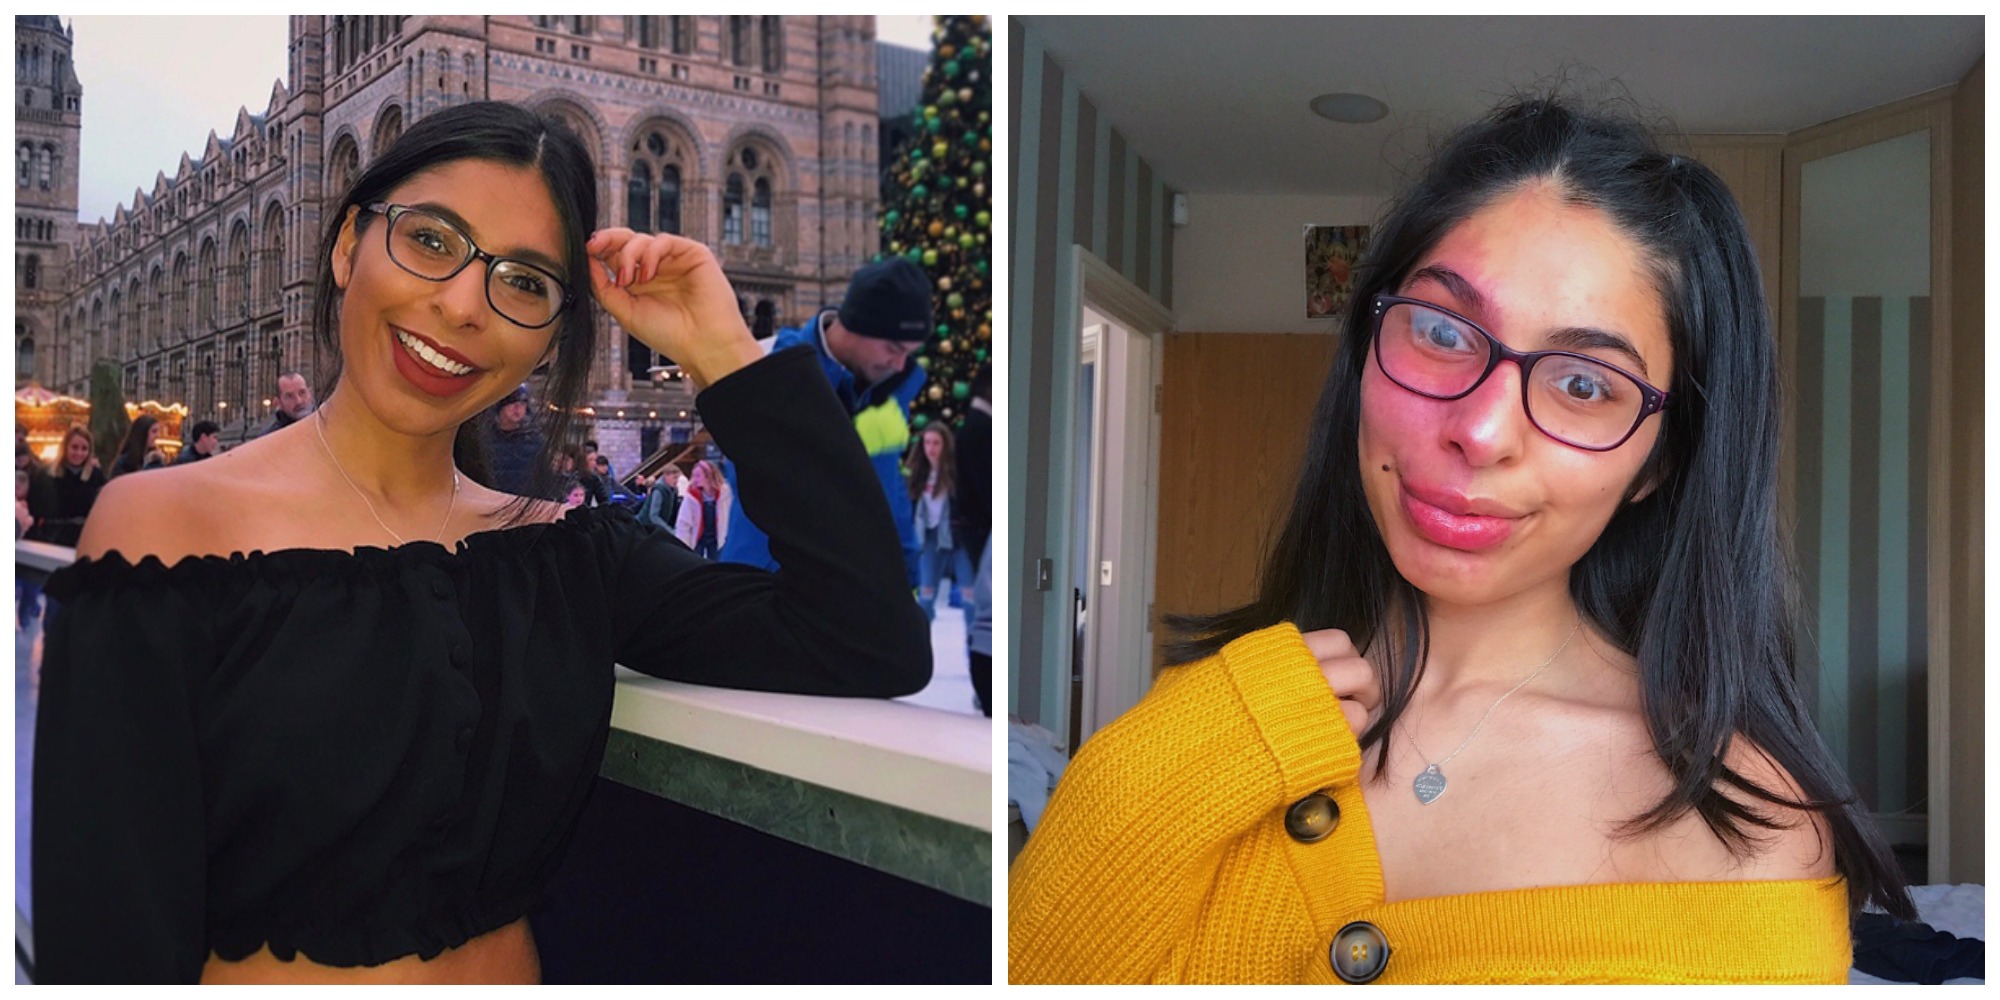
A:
423	352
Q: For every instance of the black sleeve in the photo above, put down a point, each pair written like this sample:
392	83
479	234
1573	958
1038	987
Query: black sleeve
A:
836	617
119	855
975	483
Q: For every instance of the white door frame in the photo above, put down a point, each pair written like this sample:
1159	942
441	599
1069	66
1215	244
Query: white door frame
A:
1118	652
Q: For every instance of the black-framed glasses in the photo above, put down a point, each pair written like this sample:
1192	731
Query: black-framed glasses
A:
434	249
1574	398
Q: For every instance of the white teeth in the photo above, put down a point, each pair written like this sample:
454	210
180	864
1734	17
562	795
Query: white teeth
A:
430	357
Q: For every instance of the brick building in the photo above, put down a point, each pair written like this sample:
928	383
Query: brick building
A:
48	109
755	135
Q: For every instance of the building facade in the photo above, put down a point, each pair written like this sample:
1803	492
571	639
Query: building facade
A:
754	135
48	129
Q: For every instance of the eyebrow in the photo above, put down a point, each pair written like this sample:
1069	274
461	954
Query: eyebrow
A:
529	255
1569	338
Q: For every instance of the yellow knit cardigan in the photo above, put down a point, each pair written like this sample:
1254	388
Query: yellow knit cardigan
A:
1163	857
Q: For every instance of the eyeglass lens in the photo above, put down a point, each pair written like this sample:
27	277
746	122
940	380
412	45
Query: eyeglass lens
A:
432	248
1573	400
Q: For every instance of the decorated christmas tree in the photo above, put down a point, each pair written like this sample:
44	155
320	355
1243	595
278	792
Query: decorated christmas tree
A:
938	211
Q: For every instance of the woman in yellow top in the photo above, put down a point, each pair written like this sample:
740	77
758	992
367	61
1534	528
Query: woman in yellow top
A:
1534	564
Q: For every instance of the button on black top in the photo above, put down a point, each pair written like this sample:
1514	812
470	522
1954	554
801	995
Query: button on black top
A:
1310	819
1359	953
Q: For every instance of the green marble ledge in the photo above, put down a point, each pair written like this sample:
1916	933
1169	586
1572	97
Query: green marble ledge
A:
926	850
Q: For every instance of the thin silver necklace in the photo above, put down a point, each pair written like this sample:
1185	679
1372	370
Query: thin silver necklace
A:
1430	784
319	425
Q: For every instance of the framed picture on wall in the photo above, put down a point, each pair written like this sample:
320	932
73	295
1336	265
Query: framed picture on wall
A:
1331	254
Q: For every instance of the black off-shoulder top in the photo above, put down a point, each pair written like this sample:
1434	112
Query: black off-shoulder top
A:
368	755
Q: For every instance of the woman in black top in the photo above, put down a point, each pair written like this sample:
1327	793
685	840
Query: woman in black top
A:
135	453
326	708
68	492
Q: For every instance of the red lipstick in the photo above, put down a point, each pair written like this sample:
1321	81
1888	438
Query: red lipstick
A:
424	377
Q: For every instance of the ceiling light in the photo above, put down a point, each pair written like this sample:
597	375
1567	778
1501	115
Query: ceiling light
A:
1351	109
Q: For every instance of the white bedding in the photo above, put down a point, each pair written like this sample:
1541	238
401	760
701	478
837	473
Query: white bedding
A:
1959	910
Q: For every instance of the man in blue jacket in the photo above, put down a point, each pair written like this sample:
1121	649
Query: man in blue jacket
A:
866	347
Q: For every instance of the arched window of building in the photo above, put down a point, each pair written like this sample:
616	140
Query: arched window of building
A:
204	310
239	269
22	175
387	128
114	333
739	40
273	259
159	316
31	271
581	24
342	166
670	199
339	43
48	161
182	321
639	198
771	41
135	333
760	213
732	210
645	31
751	179
682	30
653	195
24	353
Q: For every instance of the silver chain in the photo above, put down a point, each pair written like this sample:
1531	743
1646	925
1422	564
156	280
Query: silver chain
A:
319	425
1496	704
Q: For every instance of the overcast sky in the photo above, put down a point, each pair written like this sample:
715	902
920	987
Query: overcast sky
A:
154	87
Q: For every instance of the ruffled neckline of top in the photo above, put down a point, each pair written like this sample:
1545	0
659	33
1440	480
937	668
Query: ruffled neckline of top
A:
114	569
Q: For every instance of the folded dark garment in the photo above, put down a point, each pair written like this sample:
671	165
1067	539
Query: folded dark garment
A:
1906	951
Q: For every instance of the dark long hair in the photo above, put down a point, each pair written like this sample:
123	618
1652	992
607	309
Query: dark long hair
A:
920	463
133	449
515	136
1692	580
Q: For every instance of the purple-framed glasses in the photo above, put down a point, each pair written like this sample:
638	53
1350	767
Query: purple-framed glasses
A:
1574	398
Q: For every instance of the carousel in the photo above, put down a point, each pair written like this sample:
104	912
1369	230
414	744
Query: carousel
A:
45	415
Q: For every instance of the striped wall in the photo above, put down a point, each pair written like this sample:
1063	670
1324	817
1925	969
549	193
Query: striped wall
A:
1075	181
1862	390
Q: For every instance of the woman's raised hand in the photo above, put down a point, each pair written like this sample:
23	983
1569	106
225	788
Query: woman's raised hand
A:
670	293
1351	677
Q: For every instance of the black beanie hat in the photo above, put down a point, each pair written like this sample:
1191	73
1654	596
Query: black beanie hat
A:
888	300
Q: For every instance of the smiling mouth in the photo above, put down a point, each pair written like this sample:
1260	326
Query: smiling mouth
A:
425	354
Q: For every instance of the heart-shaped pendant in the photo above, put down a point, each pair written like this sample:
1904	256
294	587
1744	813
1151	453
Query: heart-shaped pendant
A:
1429	785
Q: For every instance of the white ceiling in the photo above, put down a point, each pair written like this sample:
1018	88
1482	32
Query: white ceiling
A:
1219	104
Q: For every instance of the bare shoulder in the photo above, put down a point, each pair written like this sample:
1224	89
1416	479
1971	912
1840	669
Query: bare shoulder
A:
159	512
1801	846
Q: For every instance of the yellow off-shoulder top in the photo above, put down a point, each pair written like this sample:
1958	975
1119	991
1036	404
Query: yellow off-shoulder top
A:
1171	852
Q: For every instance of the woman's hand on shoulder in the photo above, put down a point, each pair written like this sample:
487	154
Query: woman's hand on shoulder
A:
1349	674
671	294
